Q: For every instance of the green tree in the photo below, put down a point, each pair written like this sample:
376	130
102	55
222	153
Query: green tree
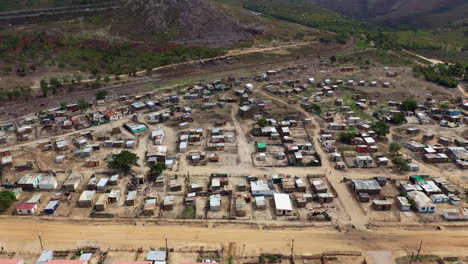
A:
401	162
83	104
444	106
155	171
394	148
409	105
398	119
63	105
7	69
1	171
347	136
6	199
262	122
96	84
101	94
380	128
44	87
333	59
107	79
125	160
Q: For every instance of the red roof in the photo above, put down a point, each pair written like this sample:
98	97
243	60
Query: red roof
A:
67	261
26	206
10	261
133	262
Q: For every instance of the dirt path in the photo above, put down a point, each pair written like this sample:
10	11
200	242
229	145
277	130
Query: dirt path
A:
244	150
22	235
433	61
358	219
462	90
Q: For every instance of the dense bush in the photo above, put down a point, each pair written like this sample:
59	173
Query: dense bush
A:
443	74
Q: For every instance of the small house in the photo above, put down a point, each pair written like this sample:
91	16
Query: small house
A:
260	203
157	256
381	205
438	198
26	209
168	202
215	202
283	204
422	203
86	199
403	203
324	197
131	196
45	256
318	186
51	207
371	187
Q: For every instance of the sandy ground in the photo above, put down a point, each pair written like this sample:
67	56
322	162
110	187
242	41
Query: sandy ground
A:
23	235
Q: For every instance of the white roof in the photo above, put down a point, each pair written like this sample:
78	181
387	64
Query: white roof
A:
282	201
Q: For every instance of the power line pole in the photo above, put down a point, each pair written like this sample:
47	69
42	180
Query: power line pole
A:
40	241
167	249
419	250
292	248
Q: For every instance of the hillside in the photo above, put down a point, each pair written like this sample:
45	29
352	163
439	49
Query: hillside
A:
181	21
426	13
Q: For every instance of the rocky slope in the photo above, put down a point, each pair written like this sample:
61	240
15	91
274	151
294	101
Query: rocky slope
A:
181	21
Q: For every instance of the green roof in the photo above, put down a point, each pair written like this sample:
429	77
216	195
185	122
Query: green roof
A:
261	145
419	179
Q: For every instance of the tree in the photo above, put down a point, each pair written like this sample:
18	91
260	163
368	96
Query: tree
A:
7	69
101	95
125	160
409	105
63	105
401	162
83	105
55	84
1	171
262	122
347	136
107	79
96	84
333	59
398	119
155	171
394	148
44	87
380	128
444	106
6	199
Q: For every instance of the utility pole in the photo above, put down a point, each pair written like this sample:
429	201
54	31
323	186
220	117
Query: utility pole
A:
40	241
167	249
419	250
292	248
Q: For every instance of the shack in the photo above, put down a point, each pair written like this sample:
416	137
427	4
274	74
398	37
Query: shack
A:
51	207
87	199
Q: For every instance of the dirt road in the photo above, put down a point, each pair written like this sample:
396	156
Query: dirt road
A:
22	235
349	204
433	61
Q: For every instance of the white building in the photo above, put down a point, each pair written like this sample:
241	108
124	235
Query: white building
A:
422	203
262	188
282	204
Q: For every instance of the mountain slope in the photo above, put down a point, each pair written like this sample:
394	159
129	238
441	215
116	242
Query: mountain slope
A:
414	12
181	21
